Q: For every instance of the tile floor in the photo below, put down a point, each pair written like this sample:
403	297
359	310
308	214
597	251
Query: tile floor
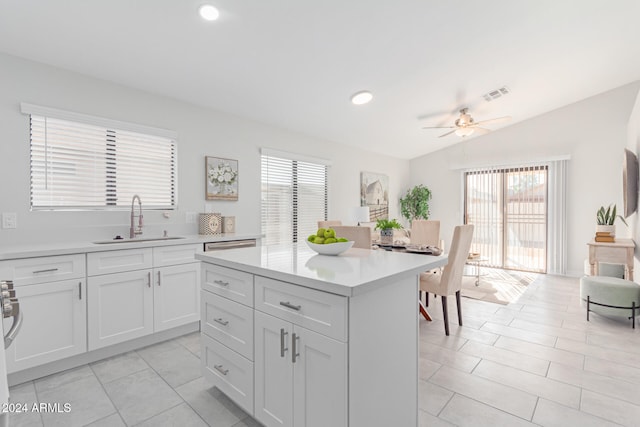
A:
534	362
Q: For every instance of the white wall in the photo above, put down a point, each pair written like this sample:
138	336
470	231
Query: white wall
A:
201	132
593	132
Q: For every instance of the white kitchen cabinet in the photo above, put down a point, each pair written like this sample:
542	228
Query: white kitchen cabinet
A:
54	323
160	292
176	295
300	375
120	307
356	334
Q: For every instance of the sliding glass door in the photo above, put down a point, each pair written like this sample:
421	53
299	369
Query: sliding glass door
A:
508	207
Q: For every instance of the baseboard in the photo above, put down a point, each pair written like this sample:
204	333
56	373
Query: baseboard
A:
36	372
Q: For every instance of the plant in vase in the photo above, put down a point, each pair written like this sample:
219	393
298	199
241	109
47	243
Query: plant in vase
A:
606	219
386	228
415	204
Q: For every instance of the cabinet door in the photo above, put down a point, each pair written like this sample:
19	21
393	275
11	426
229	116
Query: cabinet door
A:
273	371
54	324
120	307
176	295
319	380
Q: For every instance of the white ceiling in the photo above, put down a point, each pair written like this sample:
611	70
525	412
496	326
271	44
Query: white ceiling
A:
295	63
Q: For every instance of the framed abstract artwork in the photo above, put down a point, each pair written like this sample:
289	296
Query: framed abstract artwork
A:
221	177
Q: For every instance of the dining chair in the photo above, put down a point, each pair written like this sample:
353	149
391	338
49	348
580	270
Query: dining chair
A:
330	223
449	282
360	235
425	232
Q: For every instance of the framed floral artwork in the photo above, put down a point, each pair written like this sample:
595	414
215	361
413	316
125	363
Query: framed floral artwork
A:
221	178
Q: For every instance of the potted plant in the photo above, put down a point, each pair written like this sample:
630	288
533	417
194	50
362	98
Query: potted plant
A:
386	228
606	220
415	204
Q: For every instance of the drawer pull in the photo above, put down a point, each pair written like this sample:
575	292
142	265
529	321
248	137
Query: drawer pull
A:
220	369
283	334
291	306
222	322
158	277
294	352
148	279
48	270
221	282
79	290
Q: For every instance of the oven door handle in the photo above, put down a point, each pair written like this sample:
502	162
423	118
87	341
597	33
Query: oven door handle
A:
15	328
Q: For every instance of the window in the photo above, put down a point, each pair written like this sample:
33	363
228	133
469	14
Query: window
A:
508	207
294	196
84	162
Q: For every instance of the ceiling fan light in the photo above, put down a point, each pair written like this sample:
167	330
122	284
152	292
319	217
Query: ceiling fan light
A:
464	131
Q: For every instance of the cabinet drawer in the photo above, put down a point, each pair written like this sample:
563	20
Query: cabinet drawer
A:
229	322
233	284
319	311
171	255
119	261
227	370
30	271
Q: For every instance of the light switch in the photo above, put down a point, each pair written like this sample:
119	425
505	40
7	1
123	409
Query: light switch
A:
9	220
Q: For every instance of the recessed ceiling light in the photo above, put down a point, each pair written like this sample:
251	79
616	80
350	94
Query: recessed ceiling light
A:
361	97
208	12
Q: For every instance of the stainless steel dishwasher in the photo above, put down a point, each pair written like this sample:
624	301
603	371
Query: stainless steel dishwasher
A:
230	244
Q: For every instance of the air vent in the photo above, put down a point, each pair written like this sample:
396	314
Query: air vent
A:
495	94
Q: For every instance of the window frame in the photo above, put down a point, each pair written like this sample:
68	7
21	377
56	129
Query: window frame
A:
128	132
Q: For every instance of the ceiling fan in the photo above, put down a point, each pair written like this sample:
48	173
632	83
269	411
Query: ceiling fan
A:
465	125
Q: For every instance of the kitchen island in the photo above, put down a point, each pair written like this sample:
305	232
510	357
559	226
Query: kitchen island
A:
301	339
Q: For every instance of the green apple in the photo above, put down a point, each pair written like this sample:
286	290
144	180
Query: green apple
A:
328	240
311	238
320	232
329	232
318	240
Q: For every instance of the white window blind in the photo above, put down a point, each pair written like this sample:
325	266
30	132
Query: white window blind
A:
294	198
76	165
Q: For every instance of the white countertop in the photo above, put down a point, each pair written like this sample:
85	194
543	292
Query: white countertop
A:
49	249
350	273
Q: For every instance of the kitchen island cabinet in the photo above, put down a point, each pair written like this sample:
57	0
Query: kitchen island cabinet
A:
335	339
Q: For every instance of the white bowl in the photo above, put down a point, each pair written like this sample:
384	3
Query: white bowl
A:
331	248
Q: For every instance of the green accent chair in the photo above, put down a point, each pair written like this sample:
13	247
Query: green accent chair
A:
611	296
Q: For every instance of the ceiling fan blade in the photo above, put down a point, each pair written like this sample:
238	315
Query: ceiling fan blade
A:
480	131
493	121
448	133
439	127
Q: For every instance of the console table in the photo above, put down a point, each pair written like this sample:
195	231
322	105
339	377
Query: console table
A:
618	252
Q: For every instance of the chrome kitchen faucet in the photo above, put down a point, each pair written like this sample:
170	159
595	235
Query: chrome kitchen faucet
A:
133	231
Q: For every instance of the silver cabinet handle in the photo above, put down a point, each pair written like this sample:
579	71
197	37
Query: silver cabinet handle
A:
220	369
158	277
48	270
222	322
149	279
79	290
294	351
283	335
291	306
221	282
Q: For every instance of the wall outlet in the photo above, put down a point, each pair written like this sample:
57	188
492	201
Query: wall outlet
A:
192	217
9	220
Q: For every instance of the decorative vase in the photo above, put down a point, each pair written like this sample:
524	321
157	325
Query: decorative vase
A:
386	236
611	229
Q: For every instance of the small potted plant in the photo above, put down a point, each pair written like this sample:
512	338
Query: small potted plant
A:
606	220
386	228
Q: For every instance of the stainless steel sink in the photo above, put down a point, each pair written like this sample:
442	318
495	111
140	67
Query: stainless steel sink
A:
137	239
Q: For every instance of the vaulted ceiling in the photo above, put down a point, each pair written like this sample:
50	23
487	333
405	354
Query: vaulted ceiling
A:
295	63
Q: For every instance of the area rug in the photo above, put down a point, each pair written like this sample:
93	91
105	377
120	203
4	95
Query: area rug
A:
496	285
